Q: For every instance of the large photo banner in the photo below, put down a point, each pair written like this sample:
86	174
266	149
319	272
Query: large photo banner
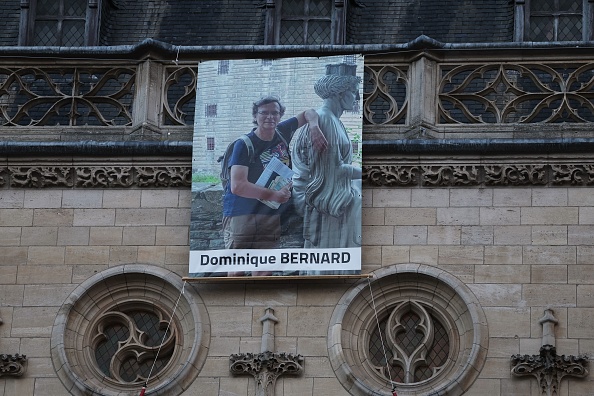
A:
276	167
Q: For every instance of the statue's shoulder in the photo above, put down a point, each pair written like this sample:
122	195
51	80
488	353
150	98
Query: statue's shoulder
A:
324	112
326	116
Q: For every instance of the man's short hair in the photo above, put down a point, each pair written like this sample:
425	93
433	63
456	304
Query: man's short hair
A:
264	101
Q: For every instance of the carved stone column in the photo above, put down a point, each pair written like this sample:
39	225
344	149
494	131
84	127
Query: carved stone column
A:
148	103
267	365
547	367
423	86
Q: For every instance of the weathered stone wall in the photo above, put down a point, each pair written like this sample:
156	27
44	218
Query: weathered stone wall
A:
518	249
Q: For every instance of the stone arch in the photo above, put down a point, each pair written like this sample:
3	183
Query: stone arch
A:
115	297
354	320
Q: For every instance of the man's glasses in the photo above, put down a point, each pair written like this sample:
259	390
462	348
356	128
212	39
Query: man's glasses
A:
269	113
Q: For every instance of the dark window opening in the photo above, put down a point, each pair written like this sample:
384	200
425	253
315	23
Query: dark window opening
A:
350	59
305	22
65	23
223	67
553	20
211	110
210	143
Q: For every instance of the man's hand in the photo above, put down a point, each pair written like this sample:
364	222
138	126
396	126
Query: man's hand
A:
318	139
283	195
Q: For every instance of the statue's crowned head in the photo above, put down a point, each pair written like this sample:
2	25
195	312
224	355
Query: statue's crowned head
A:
340	77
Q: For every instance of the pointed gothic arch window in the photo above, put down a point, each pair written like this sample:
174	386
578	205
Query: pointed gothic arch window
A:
65	23
305	22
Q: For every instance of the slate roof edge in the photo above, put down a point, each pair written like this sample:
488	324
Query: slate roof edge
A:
262	51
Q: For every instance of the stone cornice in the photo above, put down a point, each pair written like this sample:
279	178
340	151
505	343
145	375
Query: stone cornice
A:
402	163
482	175
105	173
157	48
157	173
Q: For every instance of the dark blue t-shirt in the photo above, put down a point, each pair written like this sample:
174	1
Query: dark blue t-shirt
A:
234	205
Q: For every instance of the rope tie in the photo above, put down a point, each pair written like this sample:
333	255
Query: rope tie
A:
381	338
143	390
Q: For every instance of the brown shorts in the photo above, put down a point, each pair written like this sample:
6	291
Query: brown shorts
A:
253	231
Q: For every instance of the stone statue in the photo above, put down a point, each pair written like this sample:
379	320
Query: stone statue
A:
326	186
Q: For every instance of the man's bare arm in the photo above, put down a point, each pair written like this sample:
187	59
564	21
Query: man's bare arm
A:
242	187
318	139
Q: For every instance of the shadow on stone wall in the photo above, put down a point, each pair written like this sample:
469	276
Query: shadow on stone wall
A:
206	220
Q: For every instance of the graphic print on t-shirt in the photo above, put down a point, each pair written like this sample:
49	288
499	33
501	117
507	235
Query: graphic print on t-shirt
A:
279	151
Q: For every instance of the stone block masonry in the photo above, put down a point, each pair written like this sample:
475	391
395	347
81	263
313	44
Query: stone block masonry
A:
518	250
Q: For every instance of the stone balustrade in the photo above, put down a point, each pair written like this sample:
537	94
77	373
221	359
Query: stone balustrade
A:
423	89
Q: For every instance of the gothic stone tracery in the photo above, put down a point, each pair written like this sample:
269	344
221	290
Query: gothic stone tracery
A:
558	174
554	174
95	176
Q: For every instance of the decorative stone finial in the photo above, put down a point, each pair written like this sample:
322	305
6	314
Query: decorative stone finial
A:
267	365
548	322
268	321
547	367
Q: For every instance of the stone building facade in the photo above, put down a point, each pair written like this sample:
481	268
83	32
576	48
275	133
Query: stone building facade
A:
478	217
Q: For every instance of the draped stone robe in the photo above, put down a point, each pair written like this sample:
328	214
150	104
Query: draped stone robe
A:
327	187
